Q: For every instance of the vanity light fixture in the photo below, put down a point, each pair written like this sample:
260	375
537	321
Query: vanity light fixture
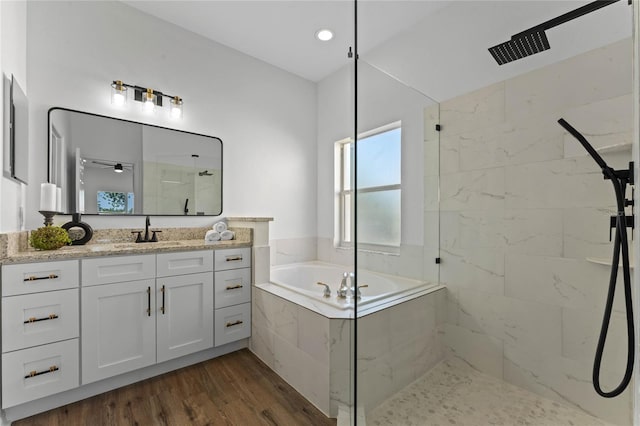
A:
150	98
176	107
324	34
118	93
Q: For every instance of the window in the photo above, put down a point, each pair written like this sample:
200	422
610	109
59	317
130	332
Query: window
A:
379	190
115	202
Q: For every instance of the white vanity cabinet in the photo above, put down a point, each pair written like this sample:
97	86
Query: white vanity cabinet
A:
185	303
233	295
134	324
40	330
69	323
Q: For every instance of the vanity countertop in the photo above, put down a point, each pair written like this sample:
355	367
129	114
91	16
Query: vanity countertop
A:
118	249
14	248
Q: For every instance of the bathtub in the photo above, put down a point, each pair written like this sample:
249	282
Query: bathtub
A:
382	290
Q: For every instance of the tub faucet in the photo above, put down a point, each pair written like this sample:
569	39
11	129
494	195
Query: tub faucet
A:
358	293
327	290
344	287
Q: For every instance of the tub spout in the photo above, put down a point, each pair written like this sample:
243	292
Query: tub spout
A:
344	287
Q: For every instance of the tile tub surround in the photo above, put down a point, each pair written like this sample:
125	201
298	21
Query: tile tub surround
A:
521	206
313	352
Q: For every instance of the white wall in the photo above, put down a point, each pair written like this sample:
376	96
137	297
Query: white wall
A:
265	117
381	100
13	40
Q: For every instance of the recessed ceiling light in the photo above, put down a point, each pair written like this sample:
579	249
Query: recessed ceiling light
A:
324	35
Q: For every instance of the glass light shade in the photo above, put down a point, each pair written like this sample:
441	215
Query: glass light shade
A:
176	107
118	93
148	101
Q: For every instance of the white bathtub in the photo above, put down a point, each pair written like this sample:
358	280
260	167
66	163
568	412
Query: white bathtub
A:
302	278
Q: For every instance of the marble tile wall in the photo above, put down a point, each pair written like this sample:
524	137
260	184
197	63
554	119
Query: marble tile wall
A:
521	207
396	346
314	354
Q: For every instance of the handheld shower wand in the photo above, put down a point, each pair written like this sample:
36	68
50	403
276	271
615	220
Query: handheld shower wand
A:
620	179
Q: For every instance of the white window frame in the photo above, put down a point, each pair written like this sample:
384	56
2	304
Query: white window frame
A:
344	227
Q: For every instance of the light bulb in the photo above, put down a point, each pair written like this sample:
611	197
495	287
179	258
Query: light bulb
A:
118	99
176	107
148	101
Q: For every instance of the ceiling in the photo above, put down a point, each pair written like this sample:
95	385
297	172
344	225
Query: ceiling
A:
438	47
282	33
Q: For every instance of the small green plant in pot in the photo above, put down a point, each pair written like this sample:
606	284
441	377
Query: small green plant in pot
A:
49	238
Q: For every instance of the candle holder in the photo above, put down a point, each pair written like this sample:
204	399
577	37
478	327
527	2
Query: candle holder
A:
48	217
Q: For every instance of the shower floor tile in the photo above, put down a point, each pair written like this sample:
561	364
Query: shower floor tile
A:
452	393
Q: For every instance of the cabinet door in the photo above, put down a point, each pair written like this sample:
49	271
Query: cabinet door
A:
118	329
185	314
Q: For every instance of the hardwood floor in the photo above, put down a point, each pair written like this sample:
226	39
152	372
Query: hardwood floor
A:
234	389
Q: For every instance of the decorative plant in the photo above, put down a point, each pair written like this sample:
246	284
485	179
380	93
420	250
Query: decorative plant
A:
49	238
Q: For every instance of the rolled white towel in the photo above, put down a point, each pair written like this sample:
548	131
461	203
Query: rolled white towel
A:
227	235
220	227
211	237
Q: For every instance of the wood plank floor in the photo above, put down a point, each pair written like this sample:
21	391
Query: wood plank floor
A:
234	389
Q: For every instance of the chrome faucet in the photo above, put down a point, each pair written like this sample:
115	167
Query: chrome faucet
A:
358	293
327	290
343	290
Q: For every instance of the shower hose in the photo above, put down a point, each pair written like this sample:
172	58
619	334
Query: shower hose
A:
621	244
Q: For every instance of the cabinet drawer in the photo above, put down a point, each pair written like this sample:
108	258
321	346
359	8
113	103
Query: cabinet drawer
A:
232	287
36	319
36	277
233	258
232	323
190	262
37	372
118	269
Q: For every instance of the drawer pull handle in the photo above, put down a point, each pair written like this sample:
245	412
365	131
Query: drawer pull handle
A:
35	373
34	319
231	324
233	259
233	287
34	278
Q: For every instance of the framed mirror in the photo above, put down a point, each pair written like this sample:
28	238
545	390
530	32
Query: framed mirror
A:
110	166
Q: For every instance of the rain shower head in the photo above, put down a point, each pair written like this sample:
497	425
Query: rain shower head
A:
520	46
534	40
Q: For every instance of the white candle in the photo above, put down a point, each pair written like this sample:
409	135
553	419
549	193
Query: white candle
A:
47	197
59	200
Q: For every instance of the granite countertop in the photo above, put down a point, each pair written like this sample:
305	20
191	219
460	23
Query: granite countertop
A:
111	243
